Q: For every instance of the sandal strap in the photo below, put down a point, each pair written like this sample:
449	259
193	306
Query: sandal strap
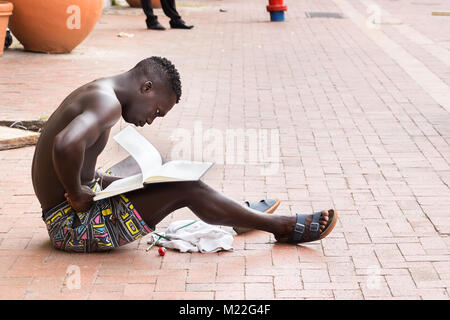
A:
314	227
307	228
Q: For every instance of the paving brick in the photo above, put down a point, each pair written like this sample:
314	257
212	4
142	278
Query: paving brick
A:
106	291
258	291
231	266
171	282
316	294
401	285
341	268
315	275
375	287
443	269
175	295
433	294
347	294
433	245
411	249
138	291
201	273
15	292
229	295
285	255
287	282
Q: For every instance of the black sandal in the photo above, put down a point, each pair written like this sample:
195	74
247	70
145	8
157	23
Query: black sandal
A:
307	227
266	206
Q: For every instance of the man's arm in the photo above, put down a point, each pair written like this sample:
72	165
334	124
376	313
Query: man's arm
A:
69	147
69	150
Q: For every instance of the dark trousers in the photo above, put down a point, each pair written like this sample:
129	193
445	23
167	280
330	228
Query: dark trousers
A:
168	7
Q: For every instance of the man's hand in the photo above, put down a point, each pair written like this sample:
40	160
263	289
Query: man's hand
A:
105	179
81	201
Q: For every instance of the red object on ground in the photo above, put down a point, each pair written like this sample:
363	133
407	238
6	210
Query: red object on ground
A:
276	5
162	251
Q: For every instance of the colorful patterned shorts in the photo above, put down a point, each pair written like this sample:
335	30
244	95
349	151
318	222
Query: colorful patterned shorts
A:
108	224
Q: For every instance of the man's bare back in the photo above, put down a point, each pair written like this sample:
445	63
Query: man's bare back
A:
77	105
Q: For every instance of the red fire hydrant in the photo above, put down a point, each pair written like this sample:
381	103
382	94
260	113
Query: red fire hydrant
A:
276	9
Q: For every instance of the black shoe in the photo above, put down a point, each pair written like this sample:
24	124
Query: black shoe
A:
8	40
154	25
179	24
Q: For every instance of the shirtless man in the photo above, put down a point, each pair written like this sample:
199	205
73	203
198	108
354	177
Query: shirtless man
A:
64	175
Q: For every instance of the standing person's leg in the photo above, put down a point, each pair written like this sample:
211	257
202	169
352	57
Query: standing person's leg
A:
170	10
152	19
156	201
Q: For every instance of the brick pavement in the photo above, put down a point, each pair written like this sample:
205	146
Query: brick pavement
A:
357	133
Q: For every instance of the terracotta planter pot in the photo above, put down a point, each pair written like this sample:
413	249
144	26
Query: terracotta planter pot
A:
6	9
54	26
137	3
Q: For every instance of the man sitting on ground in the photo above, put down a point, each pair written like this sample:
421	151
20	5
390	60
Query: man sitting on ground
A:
64	175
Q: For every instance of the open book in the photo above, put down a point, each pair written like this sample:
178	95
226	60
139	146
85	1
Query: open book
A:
152	168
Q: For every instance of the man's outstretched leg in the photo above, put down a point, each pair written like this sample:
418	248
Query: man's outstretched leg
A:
128	167
156	201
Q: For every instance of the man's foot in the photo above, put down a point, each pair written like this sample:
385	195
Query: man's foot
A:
179	24
266	206
308	227
154	25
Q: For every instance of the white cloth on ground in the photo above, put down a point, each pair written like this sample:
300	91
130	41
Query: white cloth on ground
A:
196	237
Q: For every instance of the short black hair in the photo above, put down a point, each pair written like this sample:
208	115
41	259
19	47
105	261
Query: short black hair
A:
165	68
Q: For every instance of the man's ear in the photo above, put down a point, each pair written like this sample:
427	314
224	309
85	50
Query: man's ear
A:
147	86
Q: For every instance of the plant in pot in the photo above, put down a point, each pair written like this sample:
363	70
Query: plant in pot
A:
54	26
6	9
138	3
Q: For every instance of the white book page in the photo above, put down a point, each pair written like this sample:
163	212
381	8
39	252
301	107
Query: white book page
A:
145	154
182	170
120	186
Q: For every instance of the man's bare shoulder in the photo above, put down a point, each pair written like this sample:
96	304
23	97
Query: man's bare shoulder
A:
101	100
99	94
